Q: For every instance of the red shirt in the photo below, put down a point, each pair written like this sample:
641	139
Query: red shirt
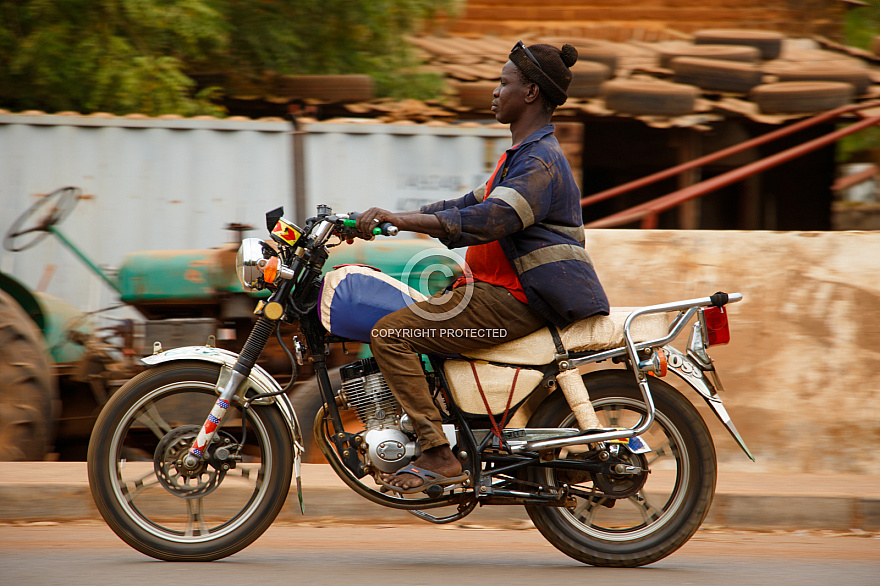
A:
487	263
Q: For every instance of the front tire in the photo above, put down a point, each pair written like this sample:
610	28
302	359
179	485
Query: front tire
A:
139	490
646	523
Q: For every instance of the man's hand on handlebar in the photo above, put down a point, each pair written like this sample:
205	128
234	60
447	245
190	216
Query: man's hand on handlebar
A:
372	218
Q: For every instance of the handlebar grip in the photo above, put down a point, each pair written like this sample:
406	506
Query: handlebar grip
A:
383	229
720	299
386	229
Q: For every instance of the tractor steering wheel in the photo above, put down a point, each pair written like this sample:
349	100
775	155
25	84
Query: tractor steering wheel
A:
49	210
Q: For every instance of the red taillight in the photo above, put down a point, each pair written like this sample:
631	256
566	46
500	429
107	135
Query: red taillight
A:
716	325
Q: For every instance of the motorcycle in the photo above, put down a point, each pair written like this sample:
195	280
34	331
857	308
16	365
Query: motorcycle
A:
192	459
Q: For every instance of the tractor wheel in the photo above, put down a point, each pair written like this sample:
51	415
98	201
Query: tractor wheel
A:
29	402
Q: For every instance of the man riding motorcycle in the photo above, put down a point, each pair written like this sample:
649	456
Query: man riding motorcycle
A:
526	262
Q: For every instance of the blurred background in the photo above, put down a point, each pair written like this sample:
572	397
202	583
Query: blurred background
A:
182	122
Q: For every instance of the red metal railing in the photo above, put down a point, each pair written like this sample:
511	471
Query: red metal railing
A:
648	211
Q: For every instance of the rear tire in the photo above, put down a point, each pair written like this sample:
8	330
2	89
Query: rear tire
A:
665	512
145	499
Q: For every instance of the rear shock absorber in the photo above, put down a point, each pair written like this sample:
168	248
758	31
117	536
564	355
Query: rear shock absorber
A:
242	369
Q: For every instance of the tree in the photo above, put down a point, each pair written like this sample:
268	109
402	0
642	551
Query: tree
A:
862	24
332	37
860	27
118	56
124	56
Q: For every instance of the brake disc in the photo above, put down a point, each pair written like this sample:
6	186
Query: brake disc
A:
177	478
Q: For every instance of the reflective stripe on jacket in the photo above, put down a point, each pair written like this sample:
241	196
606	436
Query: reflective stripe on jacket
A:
533	210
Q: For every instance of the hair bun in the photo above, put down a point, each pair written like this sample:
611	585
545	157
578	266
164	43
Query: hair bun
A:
569	55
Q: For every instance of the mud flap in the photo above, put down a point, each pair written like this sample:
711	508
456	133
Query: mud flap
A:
694	376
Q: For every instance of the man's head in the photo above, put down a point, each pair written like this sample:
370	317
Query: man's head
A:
548	68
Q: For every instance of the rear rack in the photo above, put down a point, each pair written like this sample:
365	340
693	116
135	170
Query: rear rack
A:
686	311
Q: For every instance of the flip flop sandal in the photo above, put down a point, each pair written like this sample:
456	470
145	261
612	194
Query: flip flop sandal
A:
428	479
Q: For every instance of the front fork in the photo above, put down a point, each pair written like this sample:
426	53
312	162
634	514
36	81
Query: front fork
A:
240	372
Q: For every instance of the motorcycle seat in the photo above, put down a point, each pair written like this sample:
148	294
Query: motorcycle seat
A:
596	333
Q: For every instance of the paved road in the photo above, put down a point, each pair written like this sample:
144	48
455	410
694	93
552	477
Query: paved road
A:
88	553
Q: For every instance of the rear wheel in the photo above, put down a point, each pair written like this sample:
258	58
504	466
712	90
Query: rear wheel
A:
629	521
157	506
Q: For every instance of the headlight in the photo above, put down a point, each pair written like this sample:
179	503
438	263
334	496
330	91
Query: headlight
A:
250	252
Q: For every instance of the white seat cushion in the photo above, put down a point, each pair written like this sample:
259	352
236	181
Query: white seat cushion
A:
600	332
496	382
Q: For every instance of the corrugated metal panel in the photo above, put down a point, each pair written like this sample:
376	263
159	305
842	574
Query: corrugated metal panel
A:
151	184
352	167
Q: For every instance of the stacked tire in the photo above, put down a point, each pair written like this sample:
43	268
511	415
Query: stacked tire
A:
649	98
714	74
842	72
801	97
768	43
588	78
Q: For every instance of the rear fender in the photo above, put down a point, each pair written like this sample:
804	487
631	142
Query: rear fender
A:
259	381
688	370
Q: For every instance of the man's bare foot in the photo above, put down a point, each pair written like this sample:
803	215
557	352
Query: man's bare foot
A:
439	460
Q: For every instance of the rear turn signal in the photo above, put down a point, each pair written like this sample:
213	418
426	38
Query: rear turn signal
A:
655	364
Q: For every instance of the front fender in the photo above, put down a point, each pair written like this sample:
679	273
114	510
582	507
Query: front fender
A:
688	370
259	380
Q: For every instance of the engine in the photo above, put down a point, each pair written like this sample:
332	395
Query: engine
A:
387	446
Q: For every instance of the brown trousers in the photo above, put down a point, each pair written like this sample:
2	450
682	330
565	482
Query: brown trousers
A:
457	324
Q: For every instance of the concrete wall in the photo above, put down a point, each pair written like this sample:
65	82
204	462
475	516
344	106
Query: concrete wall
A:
799	370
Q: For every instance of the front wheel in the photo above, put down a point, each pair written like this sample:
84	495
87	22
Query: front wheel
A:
159	507
629	521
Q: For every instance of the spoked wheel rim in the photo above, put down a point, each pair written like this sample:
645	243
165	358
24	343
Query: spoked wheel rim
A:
168	514
657	502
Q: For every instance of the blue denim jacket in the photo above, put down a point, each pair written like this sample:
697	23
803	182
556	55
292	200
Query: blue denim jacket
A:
533	210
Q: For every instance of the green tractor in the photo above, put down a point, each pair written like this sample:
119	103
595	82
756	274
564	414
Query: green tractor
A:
57	370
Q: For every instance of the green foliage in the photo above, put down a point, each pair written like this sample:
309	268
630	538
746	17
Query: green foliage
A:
861	25
125	56
117	56
409	85
332	37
